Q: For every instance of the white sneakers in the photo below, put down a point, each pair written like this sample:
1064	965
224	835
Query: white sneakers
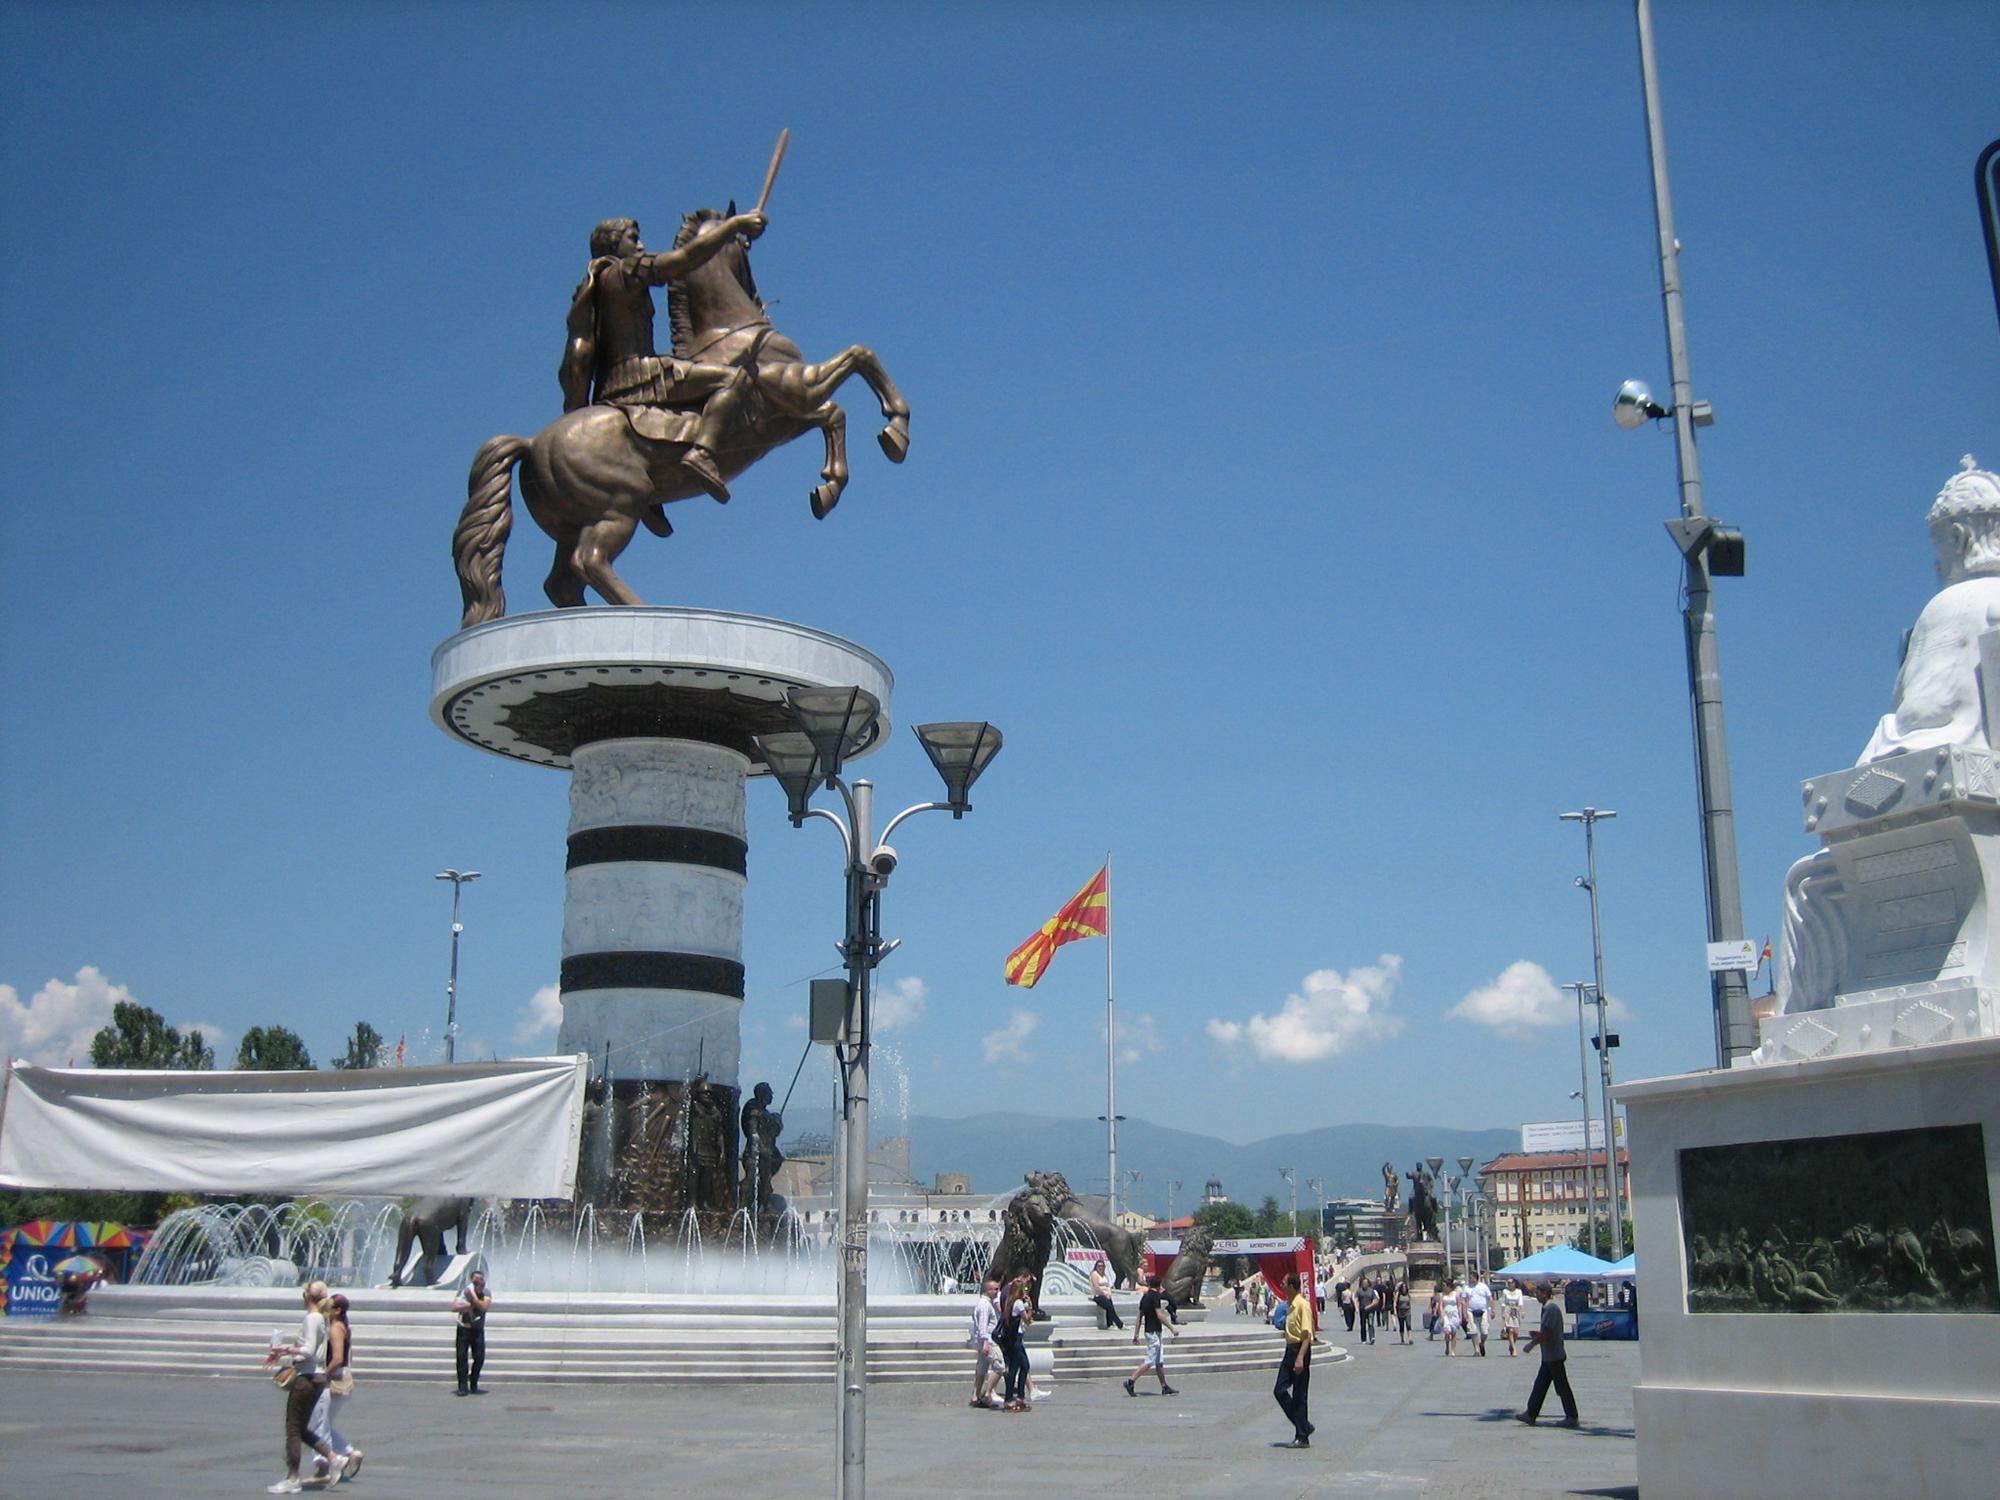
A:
285	1486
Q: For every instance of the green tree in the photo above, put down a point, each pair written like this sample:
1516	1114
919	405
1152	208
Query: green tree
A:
139	1037
1226	1221
268	1048
1271	1219
364	1048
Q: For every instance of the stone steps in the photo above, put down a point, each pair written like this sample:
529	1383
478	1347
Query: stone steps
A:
408	1336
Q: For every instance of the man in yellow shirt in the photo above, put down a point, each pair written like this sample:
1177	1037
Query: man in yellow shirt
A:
1295	1370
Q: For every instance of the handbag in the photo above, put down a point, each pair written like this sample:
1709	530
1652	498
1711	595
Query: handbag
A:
283	1376
342	1384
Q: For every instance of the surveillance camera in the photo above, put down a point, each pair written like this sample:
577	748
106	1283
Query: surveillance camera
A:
882	863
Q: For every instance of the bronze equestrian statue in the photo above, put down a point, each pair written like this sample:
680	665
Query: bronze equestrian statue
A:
641	430
426	1221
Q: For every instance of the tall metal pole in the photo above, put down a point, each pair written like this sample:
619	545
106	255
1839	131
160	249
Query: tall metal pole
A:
1291	1175
458	878
1110	1061
1590	817
1730	995
1583	1093
863	939
1613	1194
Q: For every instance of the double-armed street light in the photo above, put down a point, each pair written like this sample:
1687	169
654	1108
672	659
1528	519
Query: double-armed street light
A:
458	879
829	725
1291	1175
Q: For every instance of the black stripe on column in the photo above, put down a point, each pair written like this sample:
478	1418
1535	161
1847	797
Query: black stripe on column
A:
653	971
655	843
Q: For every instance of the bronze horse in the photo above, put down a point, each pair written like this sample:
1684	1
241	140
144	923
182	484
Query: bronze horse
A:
426	1223
590	480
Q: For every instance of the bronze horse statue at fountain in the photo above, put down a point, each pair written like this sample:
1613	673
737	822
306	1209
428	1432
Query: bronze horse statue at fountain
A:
591	478
426	1222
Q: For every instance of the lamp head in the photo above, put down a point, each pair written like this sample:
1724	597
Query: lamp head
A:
1634	406
838	721
794	764
960	751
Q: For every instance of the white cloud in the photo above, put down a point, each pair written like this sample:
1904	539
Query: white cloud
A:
55	1027
1523	998
540	1016
1138	1034
1009	1043
1336	1013
901	1005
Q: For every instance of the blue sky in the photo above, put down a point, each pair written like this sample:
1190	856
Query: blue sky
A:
1262	488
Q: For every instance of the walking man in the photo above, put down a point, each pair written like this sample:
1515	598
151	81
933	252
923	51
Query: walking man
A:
1371	1301
471	1305
1478	1299
1295	1369
1155	1329
992	1366
1555	1362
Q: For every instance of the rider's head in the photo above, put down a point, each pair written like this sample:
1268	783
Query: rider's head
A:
608	238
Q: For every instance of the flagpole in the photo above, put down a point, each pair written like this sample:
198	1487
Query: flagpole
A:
1110	1054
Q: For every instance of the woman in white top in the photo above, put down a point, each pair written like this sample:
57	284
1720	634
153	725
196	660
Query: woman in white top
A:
1450	1312
1512	1301
306	1355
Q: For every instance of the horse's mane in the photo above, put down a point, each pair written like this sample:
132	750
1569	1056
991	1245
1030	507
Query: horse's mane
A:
678	321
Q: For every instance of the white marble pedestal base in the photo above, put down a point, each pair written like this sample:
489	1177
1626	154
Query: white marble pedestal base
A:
1824	1404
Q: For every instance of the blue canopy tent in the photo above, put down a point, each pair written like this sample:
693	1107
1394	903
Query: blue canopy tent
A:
1623	1270
1557	1260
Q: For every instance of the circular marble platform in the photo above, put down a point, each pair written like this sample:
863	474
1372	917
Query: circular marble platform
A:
533	687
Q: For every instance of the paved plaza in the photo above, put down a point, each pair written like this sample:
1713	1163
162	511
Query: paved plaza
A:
1392	1421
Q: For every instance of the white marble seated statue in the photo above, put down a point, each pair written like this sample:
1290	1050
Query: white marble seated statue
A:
1938	702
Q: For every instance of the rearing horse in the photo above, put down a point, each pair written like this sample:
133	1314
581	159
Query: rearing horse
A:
590	480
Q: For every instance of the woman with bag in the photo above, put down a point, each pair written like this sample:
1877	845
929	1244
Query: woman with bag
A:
1016	1314
301	1374
325	1425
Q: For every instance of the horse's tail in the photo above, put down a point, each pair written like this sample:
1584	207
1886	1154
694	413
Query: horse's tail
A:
480	542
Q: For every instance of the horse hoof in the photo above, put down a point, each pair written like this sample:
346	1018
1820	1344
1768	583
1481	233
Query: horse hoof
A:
823	499
895	439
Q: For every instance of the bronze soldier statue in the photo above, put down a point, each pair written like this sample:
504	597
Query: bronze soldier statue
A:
609	359
762	1126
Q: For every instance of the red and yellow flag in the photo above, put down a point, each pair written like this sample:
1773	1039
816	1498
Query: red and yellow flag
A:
1086	914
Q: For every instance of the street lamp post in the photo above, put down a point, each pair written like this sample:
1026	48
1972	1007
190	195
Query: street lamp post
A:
458	879
1583	1093
830	722
1590	817
1173	1186
1465	1217
1318	1185
1706	551
1291	1175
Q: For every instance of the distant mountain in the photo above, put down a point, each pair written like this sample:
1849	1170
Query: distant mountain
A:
997	1148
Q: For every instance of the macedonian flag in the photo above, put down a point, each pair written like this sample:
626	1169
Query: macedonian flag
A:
1086	914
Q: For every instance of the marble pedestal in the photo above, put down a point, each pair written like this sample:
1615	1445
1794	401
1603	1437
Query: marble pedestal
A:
1896	913
1828	1403
654	712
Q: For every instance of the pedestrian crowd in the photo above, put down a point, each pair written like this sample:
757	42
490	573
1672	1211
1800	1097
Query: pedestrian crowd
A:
1463	1313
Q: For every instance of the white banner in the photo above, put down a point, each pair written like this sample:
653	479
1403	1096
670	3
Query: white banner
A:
1565	1135
480	1130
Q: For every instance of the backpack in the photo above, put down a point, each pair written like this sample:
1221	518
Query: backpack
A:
1280	1312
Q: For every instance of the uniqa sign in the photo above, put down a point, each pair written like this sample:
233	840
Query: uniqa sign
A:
31	1285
